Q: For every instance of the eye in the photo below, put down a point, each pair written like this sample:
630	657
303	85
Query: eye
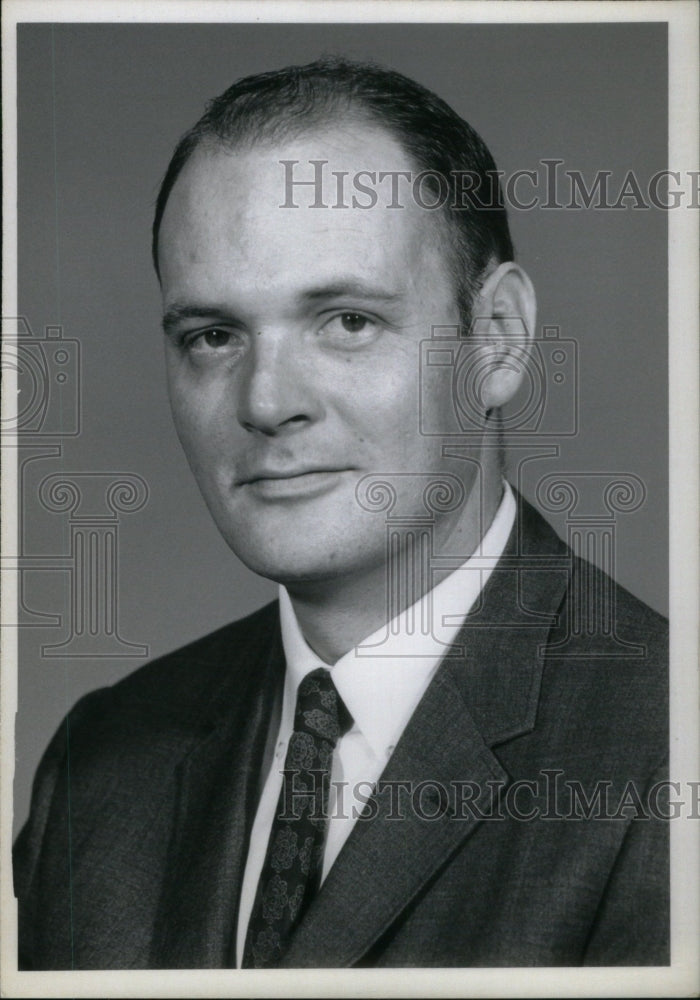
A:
213	345
216	338
353	322
350	328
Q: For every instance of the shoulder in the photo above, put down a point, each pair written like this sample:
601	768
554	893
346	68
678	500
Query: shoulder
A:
606	669
612	650
601	621
598	614
189	677
160	708
605	658
118	748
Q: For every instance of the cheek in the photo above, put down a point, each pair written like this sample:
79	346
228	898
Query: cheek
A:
197	401
186	413
381	402
437	405
198	426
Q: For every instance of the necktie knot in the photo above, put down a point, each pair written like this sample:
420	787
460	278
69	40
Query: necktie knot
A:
320	711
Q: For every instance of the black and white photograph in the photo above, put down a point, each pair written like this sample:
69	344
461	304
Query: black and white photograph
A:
350	486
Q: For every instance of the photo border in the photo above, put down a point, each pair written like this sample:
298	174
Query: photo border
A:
682	977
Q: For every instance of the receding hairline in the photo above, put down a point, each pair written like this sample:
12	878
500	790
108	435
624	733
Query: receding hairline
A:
277	126
438	230
275	136
211	143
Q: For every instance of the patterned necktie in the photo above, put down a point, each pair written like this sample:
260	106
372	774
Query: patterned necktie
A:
291	873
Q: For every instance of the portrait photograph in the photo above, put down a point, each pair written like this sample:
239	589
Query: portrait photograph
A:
349	499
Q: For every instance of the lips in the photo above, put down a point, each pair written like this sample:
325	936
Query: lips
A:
264	475
275	485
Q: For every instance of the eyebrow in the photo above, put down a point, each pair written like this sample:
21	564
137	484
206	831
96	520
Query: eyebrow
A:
335	290
352	289
179	311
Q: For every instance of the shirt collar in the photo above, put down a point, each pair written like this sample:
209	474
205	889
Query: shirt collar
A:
384	677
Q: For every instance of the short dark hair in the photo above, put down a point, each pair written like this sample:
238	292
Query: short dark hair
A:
293	100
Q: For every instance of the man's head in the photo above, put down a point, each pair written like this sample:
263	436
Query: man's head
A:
294	334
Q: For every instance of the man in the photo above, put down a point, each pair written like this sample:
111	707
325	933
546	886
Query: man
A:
397	764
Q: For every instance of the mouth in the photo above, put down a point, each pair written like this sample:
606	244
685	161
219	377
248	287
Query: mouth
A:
281	483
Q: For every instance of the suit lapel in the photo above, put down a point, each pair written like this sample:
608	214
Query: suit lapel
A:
218	794
483	695
385	863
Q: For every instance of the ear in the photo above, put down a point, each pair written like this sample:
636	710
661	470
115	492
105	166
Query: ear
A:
505	313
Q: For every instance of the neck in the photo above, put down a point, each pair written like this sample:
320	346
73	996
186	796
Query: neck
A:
336	615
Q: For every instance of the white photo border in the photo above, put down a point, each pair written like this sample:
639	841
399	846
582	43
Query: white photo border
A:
682	977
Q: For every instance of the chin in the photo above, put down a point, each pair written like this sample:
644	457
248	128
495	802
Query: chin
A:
287	562
289	572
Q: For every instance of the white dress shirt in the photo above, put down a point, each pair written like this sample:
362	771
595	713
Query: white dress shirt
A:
381	682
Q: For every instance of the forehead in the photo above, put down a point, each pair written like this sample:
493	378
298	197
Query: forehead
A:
291	205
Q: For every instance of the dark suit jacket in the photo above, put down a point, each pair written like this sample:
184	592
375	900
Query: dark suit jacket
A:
135	849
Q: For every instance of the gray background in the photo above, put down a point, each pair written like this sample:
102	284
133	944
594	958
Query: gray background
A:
100	107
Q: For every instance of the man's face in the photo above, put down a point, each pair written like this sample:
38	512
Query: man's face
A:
293	346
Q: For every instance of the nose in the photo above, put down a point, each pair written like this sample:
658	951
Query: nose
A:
275	393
